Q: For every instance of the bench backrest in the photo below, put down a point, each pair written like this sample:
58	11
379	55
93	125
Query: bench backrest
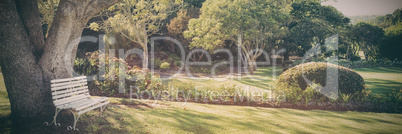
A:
69	90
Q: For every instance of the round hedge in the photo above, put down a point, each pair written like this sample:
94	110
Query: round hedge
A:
349	82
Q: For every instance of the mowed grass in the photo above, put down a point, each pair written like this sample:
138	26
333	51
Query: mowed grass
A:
382	80
4	101
124	116
5	109
179	117
263	78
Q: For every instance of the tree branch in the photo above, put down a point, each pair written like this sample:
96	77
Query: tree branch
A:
96	6
29	14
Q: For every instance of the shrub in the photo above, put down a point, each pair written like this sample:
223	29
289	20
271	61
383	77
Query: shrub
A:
157	63
200	69
177	63
207	69
292	81
110	85
165	66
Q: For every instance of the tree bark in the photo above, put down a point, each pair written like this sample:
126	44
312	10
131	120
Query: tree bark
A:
28	12
22	75
285	56
21	43
69	22
145	60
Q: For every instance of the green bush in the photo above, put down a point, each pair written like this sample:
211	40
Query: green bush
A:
207	69
157	63
293	83
200	69
177	63
165	66
110	85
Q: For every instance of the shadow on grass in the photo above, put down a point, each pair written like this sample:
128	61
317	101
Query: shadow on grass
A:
380	70
262	78
381	86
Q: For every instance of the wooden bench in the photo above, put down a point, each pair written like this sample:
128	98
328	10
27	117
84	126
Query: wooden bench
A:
72	94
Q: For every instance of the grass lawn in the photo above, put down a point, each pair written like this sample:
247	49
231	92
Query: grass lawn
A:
382	80
262	79
177	117
124	116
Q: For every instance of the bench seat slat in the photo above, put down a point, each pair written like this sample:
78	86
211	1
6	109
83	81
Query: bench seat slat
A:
94	107
73	94
67	87
68	84
94	102
68	91
70	99
79	92
76	103
71	104
68	79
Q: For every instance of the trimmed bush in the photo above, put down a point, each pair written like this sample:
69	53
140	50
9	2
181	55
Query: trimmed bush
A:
165	66
349	82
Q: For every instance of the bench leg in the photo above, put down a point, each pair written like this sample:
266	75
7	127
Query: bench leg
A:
54	119
101	110
76	117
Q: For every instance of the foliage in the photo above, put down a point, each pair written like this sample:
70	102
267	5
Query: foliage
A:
193	3
368	37
145	81
164	66
391	45
185	87
137	20
390	19
310	9
350	63
135	76
157	63
207	69
200	69
179	24
253	23
48	9
312	23
349	82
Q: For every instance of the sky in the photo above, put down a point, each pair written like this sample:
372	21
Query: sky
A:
365	7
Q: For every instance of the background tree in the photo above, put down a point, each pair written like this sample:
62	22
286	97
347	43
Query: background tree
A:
392	25
392	43
367	37
26	72
136	20
311	23
249	23
179	24
48	8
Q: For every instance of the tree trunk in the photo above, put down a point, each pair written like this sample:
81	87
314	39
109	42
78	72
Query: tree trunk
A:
286	56
145	60
22	75
251	67
65	33
347	54
21	44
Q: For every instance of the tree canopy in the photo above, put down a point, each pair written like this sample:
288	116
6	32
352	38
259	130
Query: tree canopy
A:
311	24
250	23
